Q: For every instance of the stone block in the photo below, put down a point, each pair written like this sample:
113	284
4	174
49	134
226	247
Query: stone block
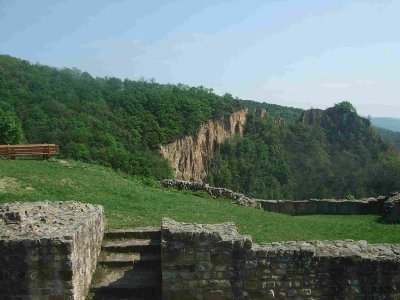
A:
49	249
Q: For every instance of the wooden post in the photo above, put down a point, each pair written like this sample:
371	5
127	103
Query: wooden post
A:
12	151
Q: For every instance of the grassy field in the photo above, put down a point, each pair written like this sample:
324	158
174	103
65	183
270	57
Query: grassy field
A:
130	203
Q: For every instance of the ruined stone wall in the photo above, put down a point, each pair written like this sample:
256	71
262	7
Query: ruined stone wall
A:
391	209
49	250
215	262
189	156
296	207
325	206
236	198
322	270
199	261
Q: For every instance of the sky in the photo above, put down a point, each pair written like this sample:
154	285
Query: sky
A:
308	54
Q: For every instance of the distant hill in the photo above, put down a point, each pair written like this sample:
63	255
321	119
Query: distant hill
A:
392	124
389	136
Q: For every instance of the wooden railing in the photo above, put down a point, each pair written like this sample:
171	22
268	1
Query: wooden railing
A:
44	150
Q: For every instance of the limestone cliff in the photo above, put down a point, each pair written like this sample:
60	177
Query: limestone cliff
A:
189	156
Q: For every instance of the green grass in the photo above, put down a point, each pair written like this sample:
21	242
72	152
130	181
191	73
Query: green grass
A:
130	203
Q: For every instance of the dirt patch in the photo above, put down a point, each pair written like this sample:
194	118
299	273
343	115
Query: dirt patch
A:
12	185
67	183
63	162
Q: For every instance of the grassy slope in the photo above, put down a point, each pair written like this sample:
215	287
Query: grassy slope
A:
127	202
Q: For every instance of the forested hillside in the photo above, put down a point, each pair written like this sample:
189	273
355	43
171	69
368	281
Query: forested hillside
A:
331	153
288	114
118	123
389	136
122	123
114	122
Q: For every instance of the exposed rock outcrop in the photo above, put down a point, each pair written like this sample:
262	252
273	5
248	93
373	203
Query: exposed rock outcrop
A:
336	118
312	116
190	155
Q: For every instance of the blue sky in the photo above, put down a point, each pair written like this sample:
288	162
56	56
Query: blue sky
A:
297	53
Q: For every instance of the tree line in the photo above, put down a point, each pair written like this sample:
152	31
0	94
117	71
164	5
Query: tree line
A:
333	153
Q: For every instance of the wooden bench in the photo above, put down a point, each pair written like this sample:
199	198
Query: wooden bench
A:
44	150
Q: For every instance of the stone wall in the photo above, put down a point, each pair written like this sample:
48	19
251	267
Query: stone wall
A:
325	206
48	250
391	209
236	198
215	262
292	207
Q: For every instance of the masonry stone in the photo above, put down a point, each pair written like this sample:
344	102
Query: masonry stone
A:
391	209
325	206
236	198
239	269
48	250
373	205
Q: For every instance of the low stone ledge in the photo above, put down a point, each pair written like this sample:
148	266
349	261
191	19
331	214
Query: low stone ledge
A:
325	206
391	208
215	262
340	248
236	198
49	250
292	207
192	233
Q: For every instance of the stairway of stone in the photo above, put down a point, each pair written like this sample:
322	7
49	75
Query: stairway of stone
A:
129	266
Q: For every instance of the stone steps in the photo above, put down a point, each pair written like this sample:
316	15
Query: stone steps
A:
114	259
129	266
132	246
137	233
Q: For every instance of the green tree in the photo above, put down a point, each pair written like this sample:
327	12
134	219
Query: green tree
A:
346	105
10	129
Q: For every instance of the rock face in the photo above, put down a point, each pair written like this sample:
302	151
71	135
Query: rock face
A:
189	156
337	119
312	116
48	250
215	262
